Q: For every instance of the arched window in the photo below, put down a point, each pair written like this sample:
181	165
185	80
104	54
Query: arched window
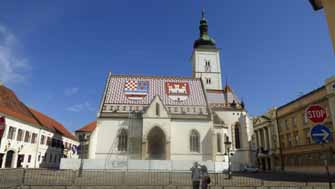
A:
237	136
19	135
122	140
219	142
207	66
194	141
157	109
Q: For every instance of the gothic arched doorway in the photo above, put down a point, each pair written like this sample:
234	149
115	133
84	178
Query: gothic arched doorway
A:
9	159
156	143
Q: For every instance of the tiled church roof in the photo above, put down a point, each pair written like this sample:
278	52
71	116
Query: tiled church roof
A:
115	91
10	105
222	96
88	128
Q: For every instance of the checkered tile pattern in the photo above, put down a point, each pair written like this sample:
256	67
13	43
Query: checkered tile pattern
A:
130	85
115	91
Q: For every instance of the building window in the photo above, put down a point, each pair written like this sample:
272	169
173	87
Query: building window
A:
19	135
27	136
307	136
157	109
207	66
286	124
294	121
237	136
50	157
122	140
42	139
29	158
49	141
296	138
208	81
194	141
11	133
289	140
304	118
219	142
33	138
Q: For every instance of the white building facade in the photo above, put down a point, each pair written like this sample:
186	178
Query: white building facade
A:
174	118
30	139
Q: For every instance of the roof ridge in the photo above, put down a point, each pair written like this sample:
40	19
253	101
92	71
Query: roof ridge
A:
88	127
155	76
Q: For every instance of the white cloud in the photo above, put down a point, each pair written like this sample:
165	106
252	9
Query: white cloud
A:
71	91
13	68
80	107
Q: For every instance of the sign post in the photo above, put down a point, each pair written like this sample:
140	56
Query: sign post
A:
320	133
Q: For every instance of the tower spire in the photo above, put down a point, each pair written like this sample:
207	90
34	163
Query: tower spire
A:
203	14
204	41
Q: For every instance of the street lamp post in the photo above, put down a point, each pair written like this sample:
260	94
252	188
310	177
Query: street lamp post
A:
228	143
82	142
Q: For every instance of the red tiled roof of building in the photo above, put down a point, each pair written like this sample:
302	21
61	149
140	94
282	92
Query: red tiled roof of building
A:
12	106
52	124
88	128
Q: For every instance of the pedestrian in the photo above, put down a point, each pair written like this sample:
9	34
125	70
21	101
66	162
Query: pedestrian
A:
205	179
196	175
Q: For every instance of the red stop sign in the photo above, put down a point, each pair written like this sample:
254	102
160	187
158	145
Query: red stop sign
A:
316	113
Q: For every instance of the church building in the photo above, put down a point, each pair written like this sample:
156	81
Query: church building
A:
192	118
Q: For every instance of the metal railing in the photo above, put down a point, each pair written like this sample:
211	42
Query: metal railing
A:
47	177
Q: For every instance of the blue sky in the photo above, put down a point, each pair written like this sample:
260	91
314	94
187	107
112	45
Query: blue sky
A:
56	54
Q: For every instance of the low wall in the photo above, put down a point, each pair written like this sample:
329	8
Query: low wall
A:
43	178
164	165
309	169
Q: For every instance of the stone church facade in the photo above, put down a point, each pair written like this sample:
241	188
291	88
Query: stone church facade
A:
174	118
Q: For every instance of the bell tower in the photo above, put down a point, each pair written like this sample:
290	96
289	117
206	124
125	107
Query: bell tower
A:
206	58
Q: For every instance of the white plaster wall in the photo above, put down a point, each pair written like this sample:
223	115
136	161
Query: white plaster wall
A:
220	156
198	60
241	156
106	138
167	165
180	140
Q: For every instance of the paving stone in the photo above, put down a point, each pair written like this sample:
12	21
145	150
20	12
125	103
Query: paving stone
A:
184	187
149	187
48	187
215	187
170	187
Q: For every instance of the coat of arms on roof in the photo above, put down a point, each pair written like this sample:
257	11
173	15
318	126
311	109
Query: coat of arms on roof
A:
136	90
178	91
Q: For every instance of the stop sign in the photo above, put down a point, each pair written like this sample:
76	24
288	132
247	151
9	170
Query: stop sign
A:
316	113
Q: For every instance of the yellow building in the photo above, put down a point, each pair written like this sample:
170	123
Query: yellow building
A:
329	9
299	153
